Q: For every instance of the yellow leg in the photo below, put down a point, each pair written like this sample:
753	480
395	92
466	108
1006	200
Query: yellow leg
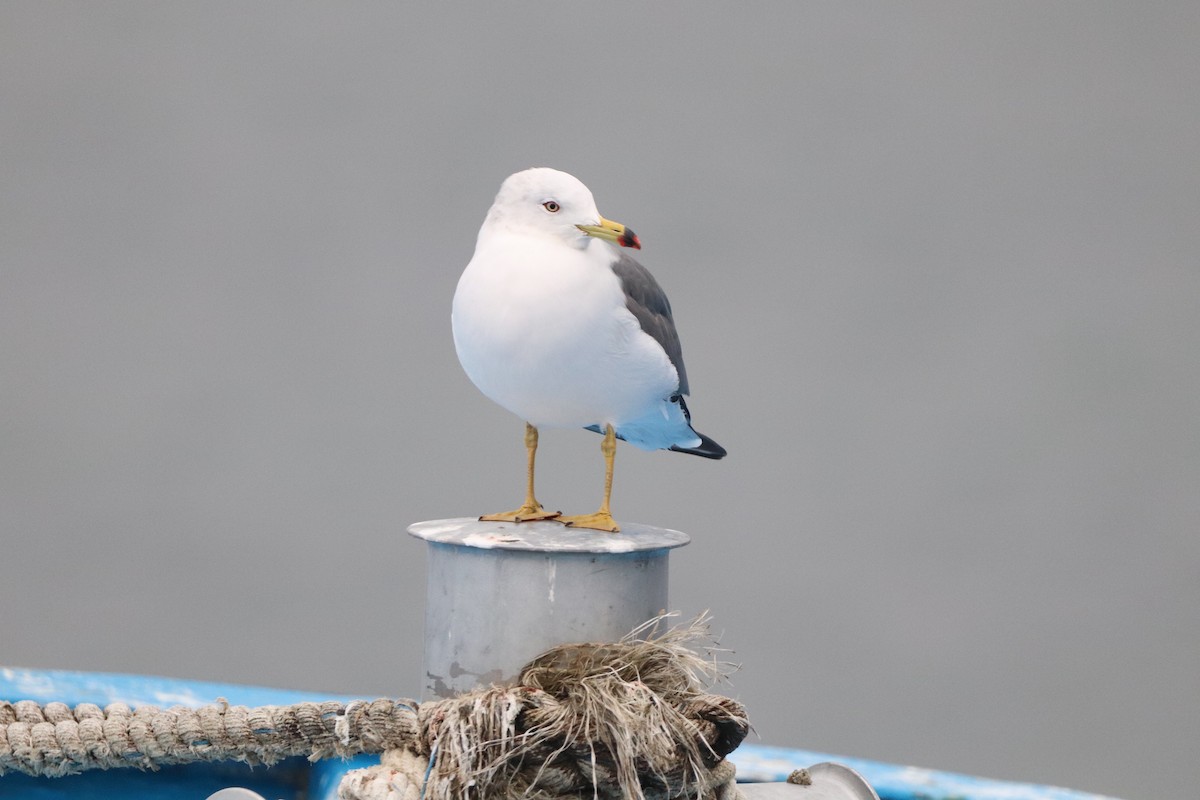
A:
602	520
532	509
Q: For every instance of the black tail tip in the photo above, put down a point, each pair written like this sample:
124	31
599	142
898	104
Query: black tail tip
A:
708	448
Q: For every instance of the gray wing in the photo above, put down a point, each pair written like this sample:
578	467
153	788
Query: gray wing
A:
648	302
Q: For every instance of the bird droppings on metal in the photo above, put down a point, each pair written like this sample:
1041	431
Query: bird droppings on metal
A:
546	536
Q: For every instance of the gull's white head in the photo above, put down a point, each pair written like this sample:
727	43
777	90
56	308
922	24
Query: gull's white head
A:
547	202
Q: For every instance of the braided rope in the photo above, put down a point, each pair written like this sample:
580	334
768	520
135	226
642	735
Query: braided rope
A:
55	739
624	720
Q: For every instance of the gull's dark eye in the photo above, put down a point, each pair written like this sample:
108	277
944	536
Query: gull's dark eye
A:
551	206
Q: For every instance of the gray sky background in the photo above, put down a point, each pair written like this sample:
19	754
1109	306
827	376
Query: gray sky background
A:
936	267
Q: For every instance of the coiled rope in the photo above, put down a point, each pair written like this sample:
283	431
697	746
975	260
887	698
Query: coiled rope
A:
628	719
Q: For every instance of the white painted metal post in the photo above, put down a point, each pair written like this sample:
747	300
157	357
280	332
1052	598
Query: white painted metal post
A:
500	593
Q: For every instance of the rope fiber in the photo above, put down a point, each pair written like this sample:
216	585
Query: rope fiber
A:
55	739
620	720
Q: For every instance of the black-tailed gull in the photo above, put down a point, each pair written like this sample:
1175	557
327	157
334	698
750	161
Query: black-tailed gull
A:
564	330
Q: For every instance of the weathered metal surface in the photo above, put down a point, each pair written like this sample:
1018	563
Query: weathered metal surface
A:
547	537
499	593
236	793
824	781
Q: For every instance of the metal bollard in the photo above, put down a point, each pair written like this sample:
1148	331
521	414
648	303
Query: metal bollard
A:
500	593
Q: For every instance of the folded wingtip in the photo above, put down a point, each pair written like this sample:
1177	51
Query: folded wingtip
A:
707	448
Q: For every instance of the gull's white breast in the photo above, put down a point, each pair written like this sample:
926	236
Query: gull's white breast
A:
542	329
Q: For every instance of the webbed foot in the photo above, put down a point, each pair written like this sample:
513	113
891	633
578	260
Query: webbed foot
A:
600	521
526	513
